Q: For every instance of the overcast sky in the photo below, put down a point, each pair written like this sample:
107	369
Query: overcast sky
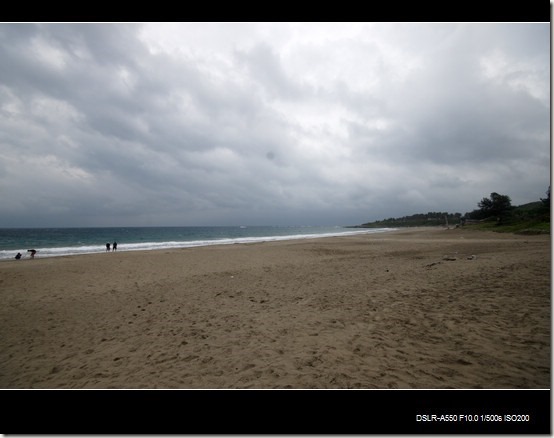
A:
268	123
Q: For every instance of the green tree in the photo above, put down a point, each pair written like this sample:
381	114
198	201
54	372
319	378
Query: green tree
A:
497	205
546	201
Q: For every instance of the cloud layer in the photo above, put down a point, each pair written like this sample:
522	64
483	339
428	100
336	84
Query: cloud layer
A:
268	123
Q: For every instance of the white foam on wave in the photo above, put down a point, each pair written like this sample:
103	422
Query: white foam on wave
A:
147	246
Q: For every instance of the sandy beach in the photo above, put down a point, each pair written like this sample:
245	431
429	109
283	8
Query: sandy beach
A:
414	308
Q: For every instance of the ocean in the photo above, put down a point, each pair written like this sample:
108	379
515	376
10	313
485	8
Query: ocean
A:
51	242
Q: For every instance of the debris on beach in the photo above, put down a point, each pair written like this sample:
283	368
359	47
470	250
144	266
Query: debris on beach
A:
449	258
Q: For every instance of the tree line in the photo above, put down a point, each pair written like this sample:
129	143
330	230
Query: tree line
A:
497	209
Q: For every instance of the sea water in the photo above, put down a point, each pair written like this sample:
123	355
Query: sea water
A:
50	242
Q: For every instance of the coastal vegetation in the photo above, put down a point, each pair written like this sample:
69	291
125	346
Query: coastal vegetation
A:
416	220
495	213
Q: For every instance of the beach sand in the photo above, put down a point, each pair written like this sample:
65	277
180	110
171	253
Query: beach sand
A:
414	308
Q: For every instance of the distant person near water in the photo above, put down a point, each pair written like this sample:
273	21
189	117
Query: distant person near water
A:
33	252
114	246
107	247
18	256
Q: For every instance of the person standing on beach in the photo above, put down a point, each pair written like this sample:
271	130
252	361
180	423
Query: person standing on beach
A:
114	246
107	247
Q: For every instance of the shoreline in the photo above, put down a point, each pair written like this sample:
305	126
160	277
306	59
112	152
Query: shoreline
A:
410	308
48	252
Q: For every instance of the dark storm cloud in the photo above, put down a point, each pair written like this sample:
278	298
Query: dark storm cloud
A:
191	123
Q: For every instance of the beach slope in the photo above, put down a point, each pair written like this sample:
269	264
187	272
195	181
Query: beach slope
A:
413	308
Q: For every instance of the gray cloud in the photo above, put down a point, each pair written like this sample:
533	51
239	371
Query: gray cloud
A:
268	123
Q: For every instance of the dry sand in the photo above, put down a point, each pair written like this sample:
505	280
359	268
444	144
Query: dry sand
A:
414	308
